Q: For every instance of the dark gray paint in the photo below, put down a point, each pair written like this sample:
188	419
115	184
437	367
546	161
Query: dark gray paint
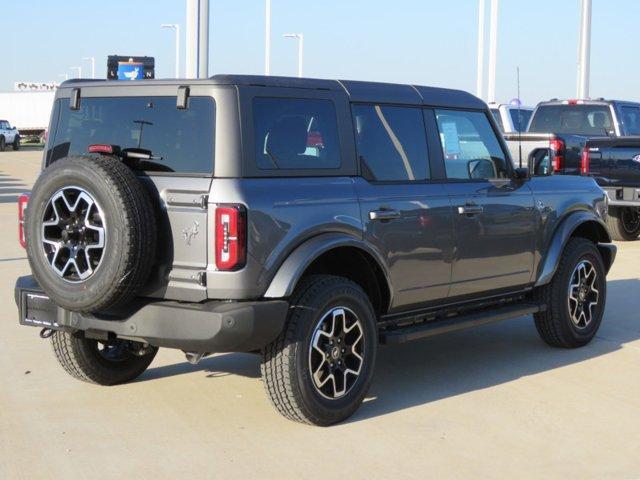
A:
429	253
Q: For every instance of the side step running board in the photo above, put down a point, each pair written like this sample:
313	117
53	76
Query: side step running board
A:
460	322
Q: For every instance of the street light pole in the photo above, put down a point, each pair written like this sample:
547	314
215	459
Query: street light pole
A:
93	65
175	27
480	71
300	38
267	38
584	50
493	46
79	69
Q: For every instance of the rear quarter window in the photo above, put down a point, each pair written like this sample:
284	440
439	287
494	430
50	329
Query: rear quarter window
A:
295	134
181	141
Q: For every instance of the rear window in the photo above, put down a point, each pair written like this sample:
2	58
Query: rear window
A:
497	117
295	134
572	119
181	141
520	119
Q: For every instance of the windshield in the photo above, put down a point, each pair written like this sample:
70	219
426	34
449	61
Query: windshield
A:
180	140
572	119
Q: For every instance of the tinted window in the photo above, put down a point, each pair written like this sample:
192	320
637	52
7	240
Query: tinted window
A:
572	119
498	118
295	134
631	120
520	119
179	140
471	149
391	142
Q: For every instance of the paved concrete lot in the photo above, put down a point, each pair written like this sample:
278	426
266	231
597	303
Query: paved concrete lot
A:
493	402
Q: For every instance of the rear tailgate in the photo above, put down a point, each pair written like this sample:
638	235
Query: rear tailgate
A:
178	174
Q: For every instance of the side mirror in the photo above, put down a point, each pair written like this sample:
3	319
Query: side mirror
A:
481	168
522	173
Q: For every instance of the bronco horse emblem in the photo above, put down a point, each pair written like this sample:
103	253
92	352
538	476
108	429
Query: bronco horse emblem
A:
188	233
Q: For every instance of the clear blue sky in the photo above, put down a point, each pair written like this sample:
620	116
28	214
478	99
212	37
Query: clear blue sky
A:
428	42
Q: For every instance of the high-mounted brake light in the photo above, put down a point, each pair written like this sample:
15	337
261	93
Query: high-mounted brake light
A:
22	206
556	153
584	162
230	237
100	148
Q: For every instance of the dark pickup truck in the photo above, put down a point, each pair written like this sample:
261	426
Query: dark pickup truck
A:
559	129
615	165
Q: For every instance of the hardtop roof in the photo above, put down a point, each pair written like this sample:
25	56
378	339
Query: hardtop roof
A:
358	91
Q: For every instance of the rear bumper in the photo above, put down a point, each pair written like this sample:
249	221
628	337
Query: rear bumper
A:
215	326
623	196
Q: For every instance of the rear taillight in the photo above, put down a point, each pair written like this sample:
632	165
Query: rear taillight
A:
556	153
22	206
584	162
231	237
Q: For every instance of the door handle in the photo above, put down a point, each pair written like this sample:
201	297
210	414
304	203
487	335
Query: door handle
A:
384	214
470	209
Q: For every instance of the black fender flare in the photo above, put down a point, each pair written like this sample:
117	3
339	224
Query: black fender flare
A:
561	236
292	269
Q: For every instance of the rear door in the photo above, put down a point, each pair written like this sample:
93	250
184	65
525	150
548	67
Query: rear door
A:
178	175
494	215
406	216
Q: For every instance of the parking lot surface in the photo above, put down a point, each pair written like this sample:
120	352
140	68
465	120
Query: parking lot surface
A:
493	402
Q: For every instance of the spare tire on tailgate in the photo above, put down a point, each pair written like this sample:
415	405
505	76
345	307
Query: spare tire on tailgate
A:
91	232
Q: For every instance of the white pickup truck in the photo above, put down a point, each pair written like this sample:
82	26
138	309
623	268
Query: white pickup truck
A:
511	118
9	136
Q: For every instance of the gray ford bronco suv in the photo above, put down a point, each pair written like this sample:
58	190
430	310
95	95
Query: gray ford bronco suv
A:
305	220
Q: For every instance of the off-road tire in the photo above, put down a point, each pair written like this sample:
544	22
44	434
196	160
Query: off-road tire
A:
284	362
2	143
554	324
617	227
16	143
80	358
131	233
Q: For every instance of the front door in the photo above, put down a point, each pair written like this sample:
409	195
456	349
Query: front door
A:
405	216
494	215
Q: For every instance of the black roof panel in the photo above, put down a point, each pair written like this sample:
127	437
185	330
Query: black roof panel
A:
381	92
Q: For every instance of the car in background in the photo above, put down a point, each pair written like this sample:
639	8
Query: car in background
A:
511	118
615	165
9	136
559	129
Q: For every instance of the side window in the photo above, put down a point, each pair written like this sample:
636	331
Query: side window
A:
631	120
391	142
471	149
295	134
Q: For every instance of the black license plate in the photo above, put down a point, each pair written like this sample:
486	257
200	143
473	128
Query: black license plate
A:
37	310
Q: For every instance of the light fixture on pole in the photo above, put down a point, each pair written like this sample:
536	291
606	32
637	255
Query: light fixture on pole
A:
267	38
175	27
300	38
93	65
79	69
